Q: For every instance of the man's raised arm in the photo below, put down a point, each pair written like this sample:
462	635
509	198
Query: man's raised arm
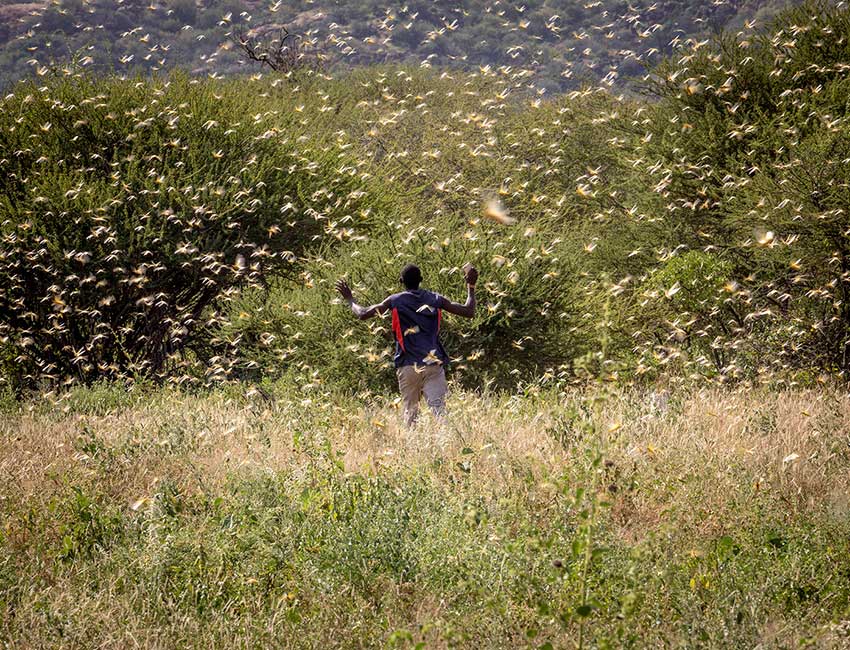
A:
362	313
467	310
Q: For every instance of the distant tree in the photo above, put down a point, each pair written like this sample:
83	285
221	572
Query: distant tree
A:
281	51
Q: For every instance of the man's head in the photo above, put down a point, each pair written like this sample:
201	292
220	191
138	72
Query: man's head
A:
411	276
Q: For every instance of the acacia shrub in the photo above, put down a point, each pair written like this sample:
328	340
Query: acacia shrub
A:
129	208
681	304
750	141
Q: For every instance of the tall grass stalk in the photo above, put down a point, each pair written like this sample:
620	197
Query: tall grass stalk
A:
598	453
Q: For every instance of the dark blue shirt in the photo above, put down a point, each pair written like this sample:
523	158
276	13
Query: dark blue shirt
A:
416	325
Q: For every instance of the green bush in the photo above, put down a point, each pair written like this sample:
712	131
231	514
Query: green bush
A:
186	11
680	304
130	208
753	159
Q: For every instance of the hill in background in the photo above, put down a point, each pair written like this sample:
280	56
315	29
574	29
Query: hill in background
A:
554	44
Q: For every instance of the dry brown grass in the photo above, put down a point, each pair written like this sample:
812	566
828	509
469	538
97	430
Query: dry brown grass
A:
705	464
794	444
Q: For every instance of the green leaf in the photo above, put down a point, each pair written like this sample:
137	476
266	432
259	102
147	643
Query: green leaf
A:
776	541
577	547
725	546
583	610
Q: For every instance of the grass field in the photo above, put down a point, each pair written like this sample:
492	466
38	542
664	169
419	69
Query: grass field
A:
715	518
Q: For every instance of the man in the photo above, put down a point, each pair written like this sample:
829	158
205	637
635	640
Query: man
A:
420	359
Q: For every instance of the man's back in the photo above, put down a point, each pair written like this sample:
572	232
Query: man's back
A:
416	319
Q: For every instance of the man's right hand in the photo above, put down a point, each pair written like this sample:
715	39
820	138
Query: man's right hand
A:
467	310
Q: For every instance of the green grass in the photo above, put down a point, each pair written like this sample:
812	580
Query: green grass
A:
212	521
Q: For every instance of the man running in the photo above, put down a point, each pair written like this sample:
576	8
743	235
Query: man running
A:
420	359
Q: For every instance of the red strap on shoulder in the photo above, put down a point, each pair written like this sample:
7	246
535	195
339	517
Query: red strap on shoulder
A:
397	329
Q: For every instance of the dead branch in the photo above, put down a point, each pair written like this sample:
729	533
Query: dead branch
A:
284	53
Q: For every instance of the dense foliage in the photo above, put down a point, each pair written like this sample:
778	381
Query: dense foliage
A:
702	233
751	141
130	209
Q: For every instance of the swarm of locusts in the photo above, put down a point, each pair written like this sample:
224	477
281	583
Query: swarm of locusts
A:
189	227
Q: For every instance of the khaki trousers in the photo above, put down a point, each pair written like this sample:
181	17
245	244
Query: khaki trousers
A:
415	380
